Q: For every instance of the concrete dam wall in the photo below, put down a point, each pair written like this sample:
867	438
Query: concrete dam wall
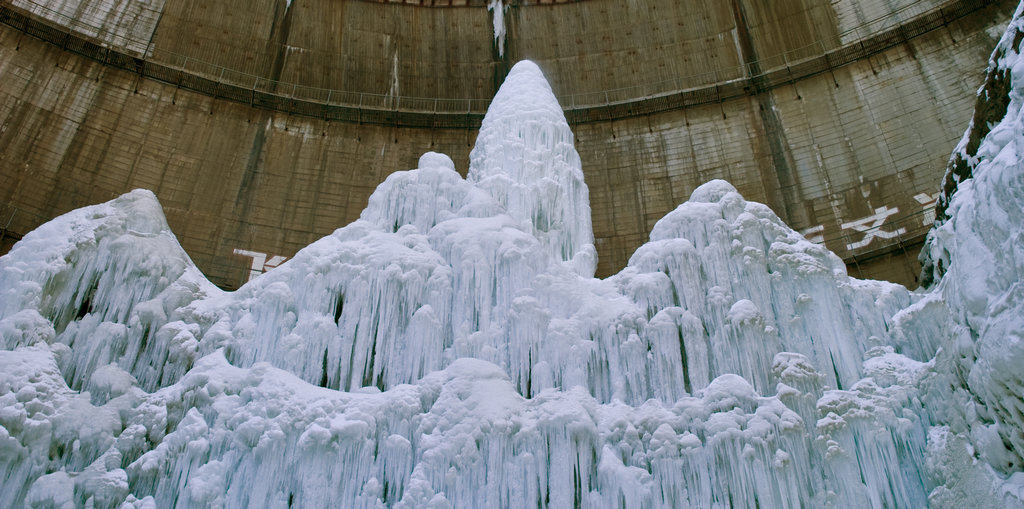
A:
263	125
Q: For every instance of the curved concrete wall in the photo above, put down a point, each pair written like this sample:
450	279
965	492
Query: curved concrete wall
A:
837	152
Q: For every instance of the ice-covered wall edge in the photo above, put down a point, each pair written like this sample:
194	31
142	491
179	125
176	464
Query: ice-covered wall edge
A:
990	108
976	254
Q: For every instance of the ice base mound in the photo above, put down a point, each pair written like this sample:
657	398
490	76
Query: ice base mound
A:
451	349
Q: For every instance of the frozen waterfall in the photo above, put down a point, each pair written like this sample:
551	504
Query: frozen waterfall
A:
451	348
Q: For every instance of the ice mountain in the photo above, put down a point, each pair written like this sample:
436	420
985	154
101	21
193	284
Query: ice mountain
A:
451	348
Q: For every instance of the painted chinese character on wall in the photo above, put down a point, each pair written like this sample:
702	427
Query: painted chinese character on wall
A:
260	263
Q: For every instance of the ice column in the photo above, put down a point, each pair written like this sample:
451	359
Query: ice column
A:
525	158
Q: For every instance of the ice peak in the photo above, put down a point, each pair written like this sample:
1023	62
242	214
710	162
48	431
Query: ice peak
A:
436	160
525	158
525	93
523	115
712	191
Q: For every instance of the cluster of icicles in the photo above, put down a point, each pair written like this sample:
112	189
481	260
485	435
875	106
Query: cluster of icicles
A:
452	348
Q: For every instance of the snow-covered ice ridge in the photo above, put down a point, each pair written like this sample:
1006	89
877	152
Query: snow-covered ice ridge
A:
451	348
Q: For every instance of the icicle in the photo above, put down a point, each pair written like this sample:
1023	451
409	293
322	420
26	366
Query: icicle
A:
498	7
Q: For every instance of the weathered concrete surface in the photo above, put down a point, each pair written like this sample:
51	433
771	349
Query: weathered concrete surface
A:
127	24
867	136
873	134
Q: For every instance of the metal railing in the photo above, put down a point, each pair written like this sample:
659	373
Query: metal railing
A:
27	221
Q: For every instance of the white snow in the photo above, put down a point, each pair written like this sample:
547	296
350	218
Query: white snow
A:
451	348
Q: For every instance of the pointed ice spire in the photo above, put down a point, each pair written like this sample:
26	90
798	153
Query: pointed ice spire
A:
525	158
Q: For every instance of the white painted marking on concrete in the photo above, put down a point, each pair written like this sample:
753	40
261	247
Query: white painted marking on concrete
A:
260	264
928	202
873	230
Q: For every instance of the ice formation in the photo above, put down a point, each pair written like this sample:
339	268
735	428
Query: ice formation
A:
451	348
498	7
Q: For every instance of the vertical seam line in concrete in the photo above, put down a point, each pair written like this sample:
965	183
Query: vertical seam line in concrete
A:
778	145
246	190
